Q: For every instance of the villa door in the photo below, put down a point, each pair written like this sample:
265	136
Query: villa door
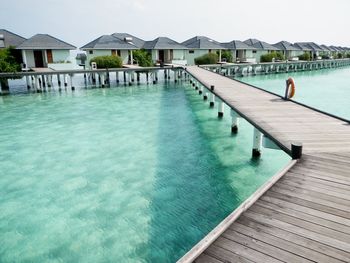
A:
161	55
49	56
38	59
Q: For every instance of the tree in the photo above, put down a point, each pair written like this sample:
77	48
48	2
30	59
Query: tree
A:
8	63
143	58
210	58
225	55
107	61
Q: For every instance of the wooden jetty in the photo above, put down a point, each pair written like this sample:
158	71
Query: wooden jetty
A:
244	69
302	214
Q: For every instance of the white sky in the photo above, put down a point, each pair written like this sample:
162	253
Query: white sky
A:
80	21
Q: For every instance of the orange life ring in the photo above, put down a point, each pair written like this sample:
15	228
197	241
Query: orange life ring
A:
291	88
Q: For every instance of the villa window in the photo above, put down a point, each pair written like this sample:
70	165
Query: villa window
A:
254	51
191	51
91	52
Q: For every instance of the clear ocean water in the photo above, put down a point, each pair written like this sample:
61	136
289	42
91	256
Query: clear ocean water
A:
127	174
326	89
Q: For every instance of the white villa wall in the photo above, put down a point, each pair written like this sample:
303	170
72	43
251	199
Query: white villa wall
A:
179	54
30	62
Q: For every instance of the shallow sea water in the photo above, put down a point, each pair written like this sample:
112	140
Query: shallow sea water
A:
127	174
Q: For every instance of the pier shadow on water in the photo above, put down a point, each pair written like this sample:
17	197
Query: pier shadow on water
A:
191	194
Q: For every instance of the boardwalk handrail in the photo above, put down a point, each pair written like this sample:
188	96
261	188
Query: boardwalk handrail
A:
82	71
191	255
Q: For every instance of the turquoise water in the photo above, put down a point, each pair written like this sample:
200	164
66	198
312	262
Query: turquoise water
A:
327	89
135	174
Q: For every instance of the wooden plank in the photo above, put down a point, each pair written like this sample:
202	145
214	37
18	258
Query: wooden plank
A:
225	255
297	249
204	258
324	222
244	251
269	197
293	237
262	247
324	239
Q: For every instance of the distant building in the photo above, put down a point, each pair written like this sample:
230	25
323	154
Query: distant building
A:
201	45
109	45
261	47
166	50
311	47
241	52
326	51
9	39
289	51
41	50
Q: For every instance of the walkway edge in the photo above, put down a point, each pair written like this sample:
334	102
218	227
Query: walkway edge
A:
198	249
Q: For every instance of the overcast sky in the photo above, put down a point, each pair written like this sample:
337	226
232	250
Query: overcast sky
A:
80	21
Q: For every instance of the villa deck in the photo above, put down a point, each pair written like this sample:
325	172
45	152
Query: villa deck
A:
304	216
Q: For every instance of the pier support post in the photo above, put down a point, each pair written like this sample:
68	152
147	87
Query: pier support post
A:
27	82
200	91
36	81
130	78
297	150
205	96
117	76
71	82
235	121
221	109
102	77
124	76
257	143
65	80
138	77
212	100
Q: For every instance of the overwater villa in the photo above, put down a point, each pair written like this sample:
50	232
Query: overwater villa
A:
108	45
289	51
326	51
43	51
261	47
241	52
166	50
201	45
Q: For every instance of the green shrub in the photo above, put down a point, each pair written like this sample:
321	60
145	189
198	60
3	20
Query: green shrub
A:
306	56
348	55
339	55
270	56
210	58
108	61
324	56
8	62
225	55
143	58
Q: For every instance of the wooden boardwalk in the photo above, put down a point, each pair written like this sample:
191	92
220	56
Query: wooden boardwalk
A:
305	215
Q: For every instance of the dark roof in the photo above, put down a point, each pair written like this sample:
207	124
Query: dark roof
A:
260	44
163	43
325	48
45	41
308	46
109	42
285	45
333	48
251	41
237	45
8	39
201	42
138	42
